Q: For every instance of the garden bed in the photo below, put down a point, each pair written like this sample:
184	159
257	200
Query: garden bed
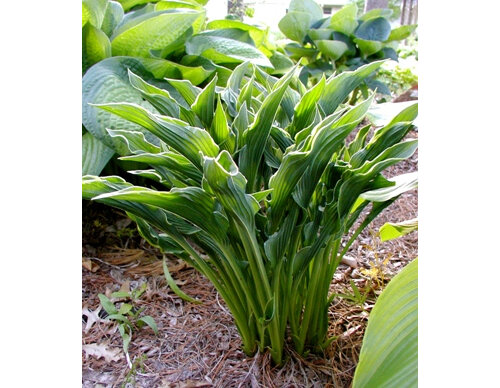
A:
198	344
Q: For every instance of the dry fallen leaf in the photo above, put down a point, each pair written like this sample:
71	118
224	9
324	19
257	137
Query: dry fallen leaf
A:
101	350
88	264
92	317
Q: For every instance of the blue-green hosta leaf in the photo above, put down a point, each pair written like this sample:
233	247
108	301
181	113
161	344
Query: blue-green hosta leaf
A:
95	155
186	89
230	33
308	6
402	184
306	109
112	18
107	81
159	98
224	50
359	179
174	162
135	142
203	106
95	46
375	13
294	25
377	29
389	354
229	185
258	133
189	141
280	62
333	49
338	87
156	32
296	51
257	35
402	32
390	231
220	130
344	20
191	203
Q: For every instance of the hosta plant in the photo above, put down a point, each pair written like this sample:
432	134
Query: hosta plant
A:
256	184
340	42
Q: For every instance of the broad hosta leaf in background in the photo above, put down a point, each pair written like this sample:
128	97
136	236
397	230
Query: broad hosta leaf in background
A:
389	354
375	13
374	29
95	155
95	46
107	81
390	231
307	6
256	33
344	20
295	25
224	50
157	31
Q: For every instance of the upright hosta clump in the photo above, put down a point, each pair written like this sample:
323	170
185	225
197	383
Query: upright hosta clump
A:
260	187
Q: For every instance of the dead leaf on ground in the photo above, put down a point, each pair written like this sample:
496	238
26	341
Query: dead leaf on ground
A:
101	350
92	317
88	264
186	384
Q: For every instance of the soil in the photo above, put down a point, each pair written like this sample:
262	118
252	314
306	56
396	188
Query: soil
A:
197	344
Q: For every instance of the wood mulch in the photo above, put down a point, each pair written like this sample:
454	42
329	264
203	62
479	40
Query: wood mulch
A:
198	344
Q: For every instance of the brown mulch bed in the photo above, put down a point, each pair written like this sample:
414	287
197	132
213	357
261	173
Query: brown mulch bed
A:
198	344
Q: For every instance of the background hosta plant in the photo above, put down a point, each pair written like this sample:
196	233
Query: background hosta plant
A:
255	185
340	42
162	39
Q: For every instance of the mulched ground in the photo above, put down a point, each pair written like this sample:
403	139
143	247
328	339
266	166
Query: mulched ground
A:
198	345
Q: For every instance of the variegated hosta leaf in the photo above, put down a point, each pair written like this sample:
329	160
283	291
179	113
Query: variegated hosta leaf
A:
188	141
390	230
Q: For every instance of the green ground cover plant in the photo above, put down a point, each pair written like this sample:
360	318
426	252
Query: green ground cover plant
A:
340	42
256	185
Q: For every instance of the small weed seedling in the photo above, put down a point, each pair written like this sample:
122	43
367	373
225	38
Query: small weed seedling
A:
127	316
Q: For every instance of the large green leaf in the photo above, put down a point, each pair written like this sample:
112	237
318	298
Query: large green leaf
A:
377	29
93	12
307	6
95	155
127	4
344	20
95	46
256	33
333	49
389	354
295	25
224	50
375	13
157	31
107	81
